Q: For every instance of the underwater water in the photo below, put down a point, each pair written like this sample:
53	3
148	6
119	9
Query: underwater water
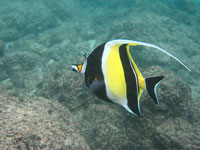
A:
44	105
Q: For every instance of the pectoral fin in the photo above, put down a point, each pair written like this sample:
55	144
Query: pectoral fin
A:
96	85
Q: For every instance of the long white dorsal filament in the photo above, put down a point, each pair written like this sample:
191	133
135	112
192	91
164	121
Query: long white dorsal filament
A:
153	46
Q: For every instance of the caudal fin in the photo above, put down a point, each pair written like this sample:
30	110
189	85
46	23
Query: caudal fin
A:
152	84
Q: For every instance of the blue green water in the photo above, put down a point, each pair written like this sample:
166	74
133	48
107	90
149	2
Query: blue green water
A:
39	40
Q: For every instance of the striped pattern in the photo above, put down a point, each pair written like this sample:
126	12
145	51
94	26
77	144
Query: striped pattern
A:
121	79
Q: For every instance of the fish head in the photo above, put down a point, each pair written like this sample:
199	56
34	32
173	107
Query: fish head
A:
81	67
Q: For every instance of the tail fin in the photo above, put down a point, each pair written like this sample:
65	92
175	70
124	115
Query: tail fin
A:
152	84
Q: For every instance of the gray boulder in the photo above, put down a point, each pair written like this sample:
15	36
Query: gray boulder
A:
37	123
177	134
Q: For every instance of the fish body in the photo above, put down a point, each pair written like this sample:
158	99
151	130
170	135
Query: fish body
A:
112	75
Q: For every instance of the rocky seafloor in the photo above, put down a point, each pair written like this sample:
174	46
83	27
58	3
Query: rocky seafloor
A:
77	123
44	105
37	123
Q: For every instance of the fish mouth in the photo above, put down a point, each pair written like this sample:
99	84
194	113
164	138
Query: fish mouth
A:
74	68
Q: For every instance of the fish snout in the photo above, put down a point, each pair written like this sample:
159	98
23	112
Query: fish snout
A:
76	68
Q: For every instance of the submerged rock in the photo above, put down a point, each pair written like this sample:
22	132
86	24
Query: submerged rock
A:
17	19
28	123
64	10
20	61
177	134
186	5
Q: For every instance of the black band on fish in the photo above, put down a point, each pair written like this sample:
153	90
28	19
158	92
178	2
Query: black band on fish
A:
131	81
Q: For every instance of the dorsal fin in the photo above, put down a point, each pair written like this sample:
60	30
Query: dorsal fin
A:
134	43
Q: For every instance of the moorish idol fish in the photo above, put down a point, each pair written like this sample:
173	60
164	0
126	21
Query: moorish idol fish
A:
112	75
